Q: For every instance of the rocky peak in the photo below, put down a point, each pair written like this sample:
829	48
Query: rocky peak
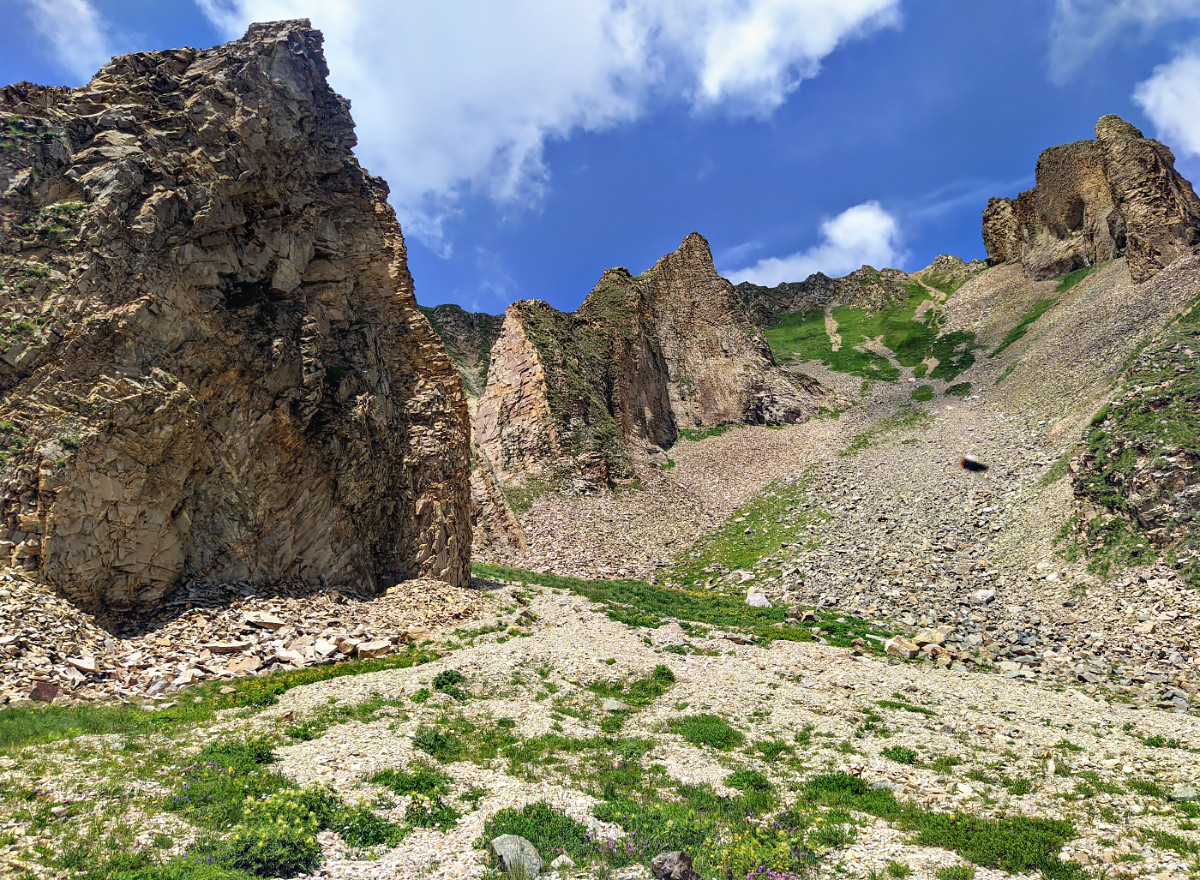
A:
218	371
1117	195
590	394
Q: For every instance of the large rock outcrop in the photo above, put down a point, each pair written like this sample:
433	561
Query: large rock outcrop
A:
589	394
214	366
1095	200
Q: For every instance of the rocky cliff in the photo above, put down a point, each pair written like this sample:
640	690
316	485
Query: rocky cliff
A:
591	393
866	287
213	364
1095	200
469	337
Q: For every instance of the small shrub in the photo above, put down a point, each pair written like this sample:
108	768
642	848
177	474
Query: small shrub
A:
923	393
421	779
900	754
956	872
430	812
448	681
898	869
962	389
707	730
440	744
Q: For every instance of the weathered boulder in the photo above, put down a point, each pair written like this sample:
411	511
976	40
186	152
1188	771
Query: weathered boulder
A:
216	368
587	395
1095	200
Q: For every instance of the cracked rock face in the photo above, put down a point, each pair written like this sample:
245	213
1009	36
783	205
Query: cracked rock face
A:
1095	200
213	365
589	394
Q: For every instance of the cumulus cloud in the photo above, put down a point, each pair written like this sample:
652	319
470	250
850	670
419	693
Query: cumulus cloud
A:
74	31
1081	28
863	235
462	98
1171	99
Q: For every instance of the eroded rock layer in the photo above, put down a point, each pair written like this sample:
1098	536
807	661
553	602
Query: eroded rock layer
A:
1095	200
213	365
588	395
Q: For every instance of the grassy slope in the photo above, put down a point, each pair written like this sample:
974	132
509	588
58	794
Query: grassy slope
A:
802	336
1155	415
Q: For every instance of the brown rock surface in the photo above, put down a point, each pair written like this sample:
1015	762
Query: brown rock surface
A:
1096	200
587	395
214	366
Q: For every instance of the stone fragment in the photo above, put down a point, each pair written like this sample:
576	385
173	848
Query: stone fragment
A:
83	664
377	648
675	865
611	705
265	619
756	598
516	856
44	692
226	647
899	646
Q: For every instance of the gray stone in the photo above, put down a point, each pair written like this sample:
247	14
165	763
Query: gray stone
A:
675	865
611	705
516	856
1185	793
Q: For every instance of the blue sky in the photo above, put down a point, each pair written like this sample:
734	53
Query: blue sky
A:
533	143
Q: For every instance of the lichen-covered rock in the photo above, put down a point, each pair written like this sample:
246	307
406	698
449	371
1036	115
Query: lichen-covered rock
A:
586	396
213	365
1095	200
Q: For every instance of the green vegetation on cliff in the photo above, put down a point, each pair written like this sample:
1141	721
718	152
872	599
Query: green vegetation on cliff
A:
861	333
1142	456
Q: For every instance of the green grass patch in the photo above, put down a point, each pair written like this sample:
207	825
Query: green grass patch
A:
905	419
1039	308
1071	279
1014	844
900	754
755	531
707	730
907	707
26	725
922	393
697	434
423	779
549	829
962	389
637	603
801	336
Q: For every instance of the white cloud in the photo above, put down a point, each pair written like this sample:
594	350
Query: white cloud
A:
1081	28
75	32
863	235
457	98
1171	99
